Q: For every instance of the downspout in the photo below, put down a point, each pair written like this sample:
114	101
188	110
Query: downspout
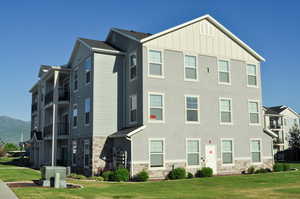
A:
131	156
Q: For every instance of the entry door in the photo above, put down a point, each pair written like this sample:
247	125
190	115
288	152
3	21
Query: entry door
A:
211	157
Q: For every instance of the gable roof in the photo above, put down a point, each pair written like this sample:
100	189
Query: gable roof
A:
275	109
97	44
136	35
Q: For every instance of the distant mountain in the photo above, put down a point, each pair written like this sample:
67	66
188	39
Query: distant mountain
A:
11	128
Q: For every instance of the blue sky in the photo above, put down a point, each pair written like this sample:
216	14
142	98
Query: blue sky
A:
43	32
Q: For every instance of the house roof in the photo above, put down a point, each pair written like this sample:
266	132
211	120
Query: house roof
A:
97	44
132	33
275	109
127	132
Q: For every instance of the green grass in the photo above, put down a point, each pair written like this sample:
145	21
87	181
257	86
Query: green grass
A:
281	185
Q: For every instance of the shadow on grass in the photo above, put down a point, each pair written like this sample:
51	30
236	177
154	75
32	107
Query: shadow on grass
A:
20	162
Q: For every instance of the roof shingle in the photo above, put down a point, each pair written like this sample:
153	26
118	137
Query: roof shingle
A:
135	34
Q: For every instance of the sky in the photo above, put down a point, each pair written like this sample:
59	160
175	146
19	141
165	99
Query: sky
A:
44	32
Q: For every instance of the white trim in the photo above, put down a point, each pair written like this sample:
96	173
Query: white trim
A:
101	50
259	113
130	104
162	76
229	71
256	75
260	144
198	109
186	152
242	158
136	131
231	111
163	107
163	153
217	24
129	66
232	152
184	67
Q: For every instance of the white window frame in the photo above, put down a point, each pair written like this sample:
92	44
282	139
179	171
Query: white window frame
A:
229	71
232	142
231	111
130	105
74	105
163	107
184	67
164	153
186	150
86	142
260	142
259	116
74	154
85	111
76	72
130	66
186	109
256	75
162	76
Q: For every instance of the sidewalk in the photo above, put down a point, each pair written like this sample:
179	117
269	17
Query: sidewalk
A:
6	192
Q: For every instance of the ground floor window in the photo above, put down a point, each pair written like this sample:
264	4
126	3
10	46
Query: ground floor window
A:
156	153
256	150
74	152
86	153
227	154
193	152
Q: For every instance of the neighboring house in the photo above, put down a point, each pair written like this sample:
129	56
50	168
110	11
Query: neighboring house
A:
189	96
280	120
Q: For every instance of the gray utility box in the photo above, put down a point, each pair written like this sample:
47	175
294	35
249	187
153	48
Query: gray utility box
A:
49	173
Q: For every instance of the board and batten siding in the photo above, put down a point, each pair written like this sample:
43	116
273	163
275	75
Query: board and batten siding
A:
203	38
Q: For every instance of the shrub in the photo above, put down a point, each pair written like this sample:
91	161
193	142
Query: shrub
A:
77	176
286	167
142	176
121	175
190	175
261	170
268	170
178	173
251	170
11	147
277	167
107	175
97	178
204	172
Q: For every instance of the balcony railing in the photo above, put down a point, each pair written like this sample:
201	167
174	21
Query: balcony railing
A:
34	107
275	126
62	129
278	141
49	97
48	130
63	94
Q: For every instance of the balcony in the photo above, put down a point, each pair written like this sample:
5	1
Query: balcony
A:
63	128
278	141
49	97
63	94
275	126
34	107
48	130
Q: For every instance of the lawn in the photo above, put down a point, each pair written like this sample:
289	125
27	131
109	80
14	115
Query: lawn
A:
272	185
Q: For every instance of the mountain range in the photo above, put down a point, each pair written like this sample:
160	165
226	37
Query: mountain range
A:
11	129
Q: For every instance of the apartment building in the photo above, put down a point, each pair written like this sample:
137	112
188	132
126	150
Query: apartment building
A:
189	96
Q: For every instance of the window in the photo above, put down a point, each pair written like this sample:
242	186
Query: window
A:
224	72
132	67
87	109
251	72
190	67
225	110
155	63
75	114
296	122
255	151
156	107
253	112
156	153
87	67
132	108
74	151
193	152
86	153
192	108
76	80
227	151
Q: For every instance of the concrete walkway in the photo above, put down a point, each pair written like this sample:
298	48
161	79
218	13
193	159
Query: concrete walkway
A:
6	192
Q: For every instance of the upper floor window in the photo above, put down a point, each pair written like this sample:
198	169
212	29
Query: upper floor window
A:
75	80
155	63
224	72
156	107
252	75
88	67
132	67
87	109
227	151
157	153
75	114
192	108
226	110
255	150
190	67
132	108
253	108
193	152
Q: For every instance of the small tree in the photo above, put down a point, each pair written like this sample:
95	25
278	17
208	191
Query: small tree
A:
294	138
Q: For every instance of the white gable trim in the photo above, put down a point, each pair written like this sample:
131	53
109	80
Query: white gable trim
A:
217	24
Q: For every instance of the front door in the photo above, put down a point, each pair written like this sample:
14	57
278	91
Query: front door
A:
211	157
